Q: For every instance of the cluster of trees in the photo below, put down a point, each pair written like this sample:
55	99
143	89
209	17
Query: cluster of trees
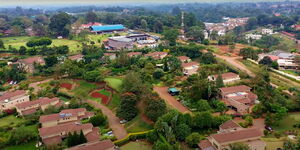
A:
174	127
249	52
11	73
39	42
75	139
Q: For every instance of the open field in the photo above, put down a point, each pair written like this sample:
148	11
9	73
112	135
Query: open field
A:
115	83
84	89
288	122
28	146
285	43
141	145
137	125
10	121
273	143
16	42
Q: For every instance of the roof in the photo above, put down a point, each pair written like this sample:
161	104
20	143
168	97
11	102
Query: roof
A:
107	27
41	101
62	114
75	57
183	58
286	55
98	145
8	95
120	39
234	89
205	145
238	135
190	64
52	141
134	54
109	54
156	54
227	75
70	127
31	60
229	125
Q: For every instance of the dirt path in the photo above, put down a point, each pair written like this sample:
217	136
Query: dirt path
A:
163	93
234	61
36	86
114	122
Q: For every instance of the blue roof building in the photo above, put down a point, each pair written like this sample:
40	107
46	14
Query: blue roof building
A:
107	28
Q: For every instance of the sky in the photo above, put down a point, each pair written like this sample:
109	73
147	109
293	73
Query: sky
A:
25	3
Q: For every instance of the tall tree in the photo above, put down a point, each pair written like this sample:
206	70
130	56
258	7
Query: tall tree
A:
58	24
171	35
2	44
219	81
91	17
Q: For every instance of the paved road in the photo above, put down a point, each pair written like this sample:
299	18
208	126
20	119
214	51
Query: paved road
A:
114	122
163	93
234	61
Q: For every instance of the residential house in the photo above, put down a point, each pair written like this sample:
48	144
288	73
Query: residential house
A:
65	116
184	59
253	36
190	68
9	100
157	55
97	145
228	77
267	31
107	29
284	59
55	134
296	27
134	54
110	56
30	107
28	63
230	133
138	37
239	98
119	43
77	57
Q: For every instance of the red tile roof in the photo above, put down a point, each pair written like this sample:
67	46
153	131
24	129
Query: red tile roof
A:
183	58
71	127
234	89
229	125
31	60
8	95
75	57
29	111
190	64
109	54
228	75
130	54
94	135
41	101
238	135
98	145
74	112
205	144
156	54
52	141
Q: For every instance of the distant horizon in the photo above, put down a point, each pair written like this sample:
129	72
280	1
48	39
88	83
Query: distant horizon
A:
72	3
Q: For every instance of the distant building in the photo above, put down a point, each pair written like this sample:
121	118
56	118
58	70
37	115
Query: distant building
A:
296	27
253	36
107	29
119	42
284	59
28	63
190	68
229	133
267	31
30	107
9	100
157	55
53	135
110	56
65	116
138	37
77	57
240	98
134	54
97	145
184	59
227	77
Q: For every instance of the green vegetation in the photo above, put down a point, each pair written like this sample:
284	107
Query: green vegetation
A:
104	92
84	89
137	125
115	102
273	143
11	121
115	83
287	122
141	145
27	146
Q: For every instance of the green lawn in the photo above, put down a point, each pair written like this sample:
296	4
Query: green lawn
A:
104	92
273	143
28	146
10	121
115	102
115	83
84	89
141	145
16	42
137	125
292	72
288	122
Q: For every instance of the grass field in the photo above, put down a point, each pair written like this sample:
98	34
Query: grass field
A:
273	143
285	43
288	122
137	125
115	102
115	83
28	146
16	42
104	92
10	121
141	145
84	89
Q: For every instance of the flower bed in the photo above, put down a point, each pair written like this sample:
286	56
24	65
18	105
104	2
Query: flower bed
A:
66	85
105	99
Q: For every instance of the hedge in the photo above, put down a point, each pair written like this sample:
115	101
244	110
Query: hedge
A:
132	137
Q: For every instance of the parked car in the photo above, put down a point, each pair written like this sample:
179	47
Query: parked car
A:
123	121
269	128
173	91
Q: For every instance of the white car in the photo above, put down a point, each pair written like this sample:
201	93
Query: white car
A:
123	121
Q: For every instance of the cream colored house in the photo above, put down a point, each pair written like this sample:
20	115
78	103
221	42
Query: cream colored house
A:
9	100
227	77
190	68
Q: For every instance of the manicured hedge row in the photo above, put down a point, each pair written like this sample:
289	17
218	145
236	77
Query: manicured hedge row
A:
132	137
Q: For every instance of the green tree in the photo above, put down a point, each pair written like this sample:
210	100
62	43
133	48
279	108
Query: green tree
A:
22	50
82	138
127	109
266	61
193	139
93	76
195	33
21	135
182	131
2	44
155	108
98	120
219	81
238	146
203	105
208	58
158	73
144	24
91	17
170	35
50	61
132	83
58	24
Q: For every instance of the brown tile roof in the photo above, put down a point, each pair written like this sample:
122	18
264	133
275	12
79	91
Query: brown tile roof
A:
183	58
73	112
8	95
41	101
70	127
75	57
234	89
229	125
205	144
109	54
156	54
227	75
94	135
31	60
238	135
130	54
29	111
52	141
98	145
190	64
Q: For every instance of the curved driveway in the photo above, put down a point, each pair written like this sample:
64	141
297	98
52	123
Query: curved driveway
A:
113	121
